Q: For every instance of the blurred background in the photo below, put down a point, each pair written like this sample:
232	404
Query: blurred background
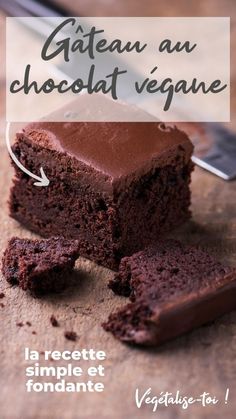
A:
122	8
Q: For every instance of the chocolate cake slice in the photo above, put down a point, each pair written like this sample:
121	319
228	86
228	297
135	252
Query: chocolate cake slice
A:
173	289
40	266
116	187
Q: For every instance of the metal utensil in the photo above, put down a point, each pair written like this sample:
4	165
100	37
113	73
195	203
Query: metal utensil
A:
217	153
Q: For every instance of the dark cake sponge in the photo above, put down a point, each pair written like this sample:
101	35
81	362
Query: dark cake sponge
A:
115	187
40	266
173	288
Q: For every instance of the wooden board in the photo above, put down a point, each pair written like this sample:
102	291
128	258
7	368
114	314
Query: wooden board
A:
203	360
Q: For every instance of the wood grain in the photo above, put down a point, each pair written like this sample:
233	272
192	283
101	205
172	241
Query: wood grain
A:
203	360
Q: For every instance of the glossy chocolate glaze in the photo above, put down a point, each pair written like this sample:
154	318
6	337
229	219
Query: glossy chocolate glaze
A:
116	149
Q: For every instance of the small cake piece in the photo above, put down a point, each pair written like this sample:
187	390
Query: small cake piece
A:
116	187
173	289
40	266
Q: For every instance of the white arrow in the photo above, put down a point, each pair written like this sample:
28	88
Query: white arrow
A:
41	181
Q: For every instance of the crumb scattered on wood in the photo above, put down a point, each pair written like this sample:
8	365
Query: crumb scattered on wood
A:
20	324
54	321
2	295
71	336
34	333
29	324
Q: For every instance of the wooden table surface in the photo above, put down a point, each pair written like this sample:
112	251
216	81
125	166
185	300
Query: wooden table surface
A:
203	360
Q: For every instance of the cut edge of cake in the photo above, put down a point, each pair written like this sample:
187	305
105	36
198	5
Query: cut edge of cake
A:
145	321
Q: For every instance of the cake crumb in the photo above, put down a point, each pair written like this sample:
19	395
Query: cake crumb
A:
28	323
2	295
71	336
54	321
34	333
